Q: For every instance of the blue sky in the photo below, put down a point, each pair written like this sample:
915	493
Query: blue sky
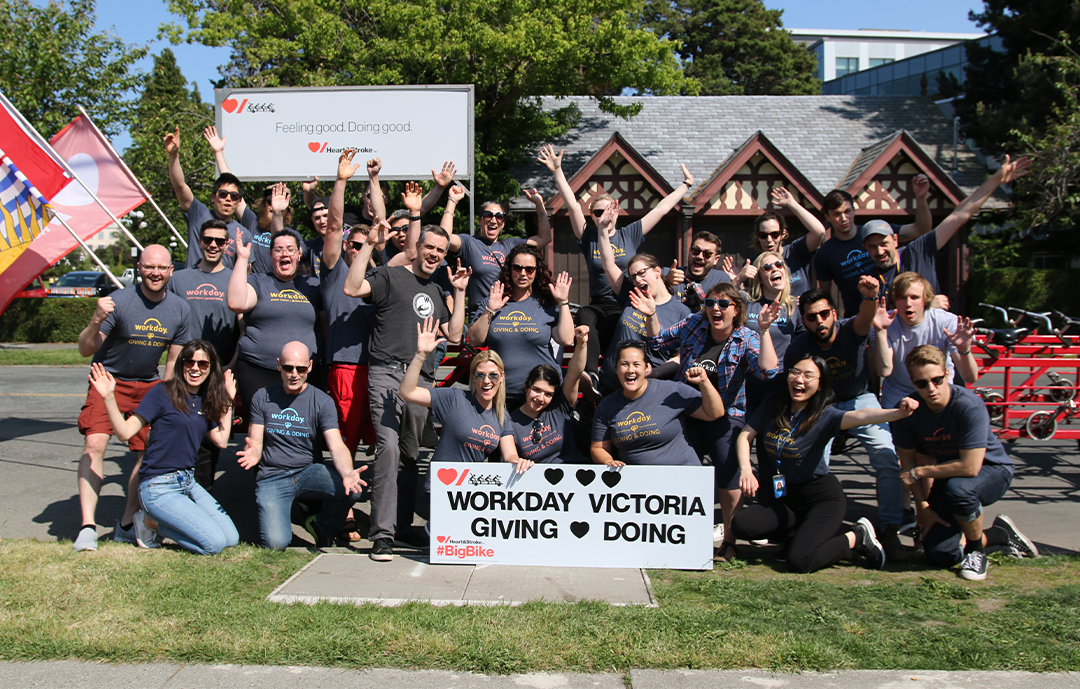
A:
137	21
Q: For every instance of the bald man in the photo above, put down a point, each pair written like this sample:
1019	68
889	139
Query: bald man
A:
283	442
127	335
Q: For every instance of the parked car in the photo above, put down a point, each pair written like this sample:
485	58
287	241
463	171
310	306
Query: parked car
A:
32	291
82	283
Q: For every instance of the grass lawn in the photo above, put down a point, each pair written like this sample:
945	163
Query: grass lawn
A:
122	604
42	357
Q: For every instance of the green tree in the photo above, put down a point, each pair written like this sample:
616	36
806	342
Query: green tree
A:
512	51
52	61
166	102
735	47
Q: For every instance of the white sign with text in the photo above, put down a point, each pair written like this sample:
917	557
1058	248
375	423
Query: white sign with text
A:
298	133
655	517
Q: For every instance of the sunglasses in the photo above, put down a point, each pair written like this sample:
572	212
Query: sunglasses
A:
357	246
598	212
770	266
518	268
289	368
220	241
819	316
203	364
936	381
718	303
488	214
234	195
535	436
480	376
775	236
704	253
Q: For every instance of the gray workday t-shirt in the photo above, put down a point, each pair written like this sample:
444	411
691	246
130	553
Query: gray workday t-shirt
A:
650	429
285	311
196	215
402	300
549	438
631	326
486	261
624	243
963	424
469	432
349	319
211	319
292	427
520	333
139	330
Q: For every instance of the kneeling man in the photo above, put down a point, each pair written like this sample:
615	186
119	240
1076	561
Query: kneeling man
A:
971	470
283	440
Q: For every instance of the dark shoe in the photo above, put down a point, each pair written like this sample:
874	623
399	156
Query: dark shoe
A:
725	552
592	390
1019	544
381	550
867	545
895	551
412	538
974	566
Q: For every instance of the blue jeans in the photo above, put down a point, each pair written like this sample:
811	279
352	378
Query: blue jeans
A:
274	497
186	513
877	440
958	498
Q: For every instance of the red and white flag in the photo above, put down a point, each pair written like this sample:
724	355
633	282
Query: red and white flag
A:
87	152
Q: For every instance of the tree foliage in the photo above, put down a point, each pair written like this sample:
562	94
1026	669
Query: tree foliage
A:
165	103
52	61
735	47
512	51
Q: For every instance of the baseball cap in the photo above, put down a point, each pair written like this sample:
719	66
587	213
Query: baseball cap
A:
875	227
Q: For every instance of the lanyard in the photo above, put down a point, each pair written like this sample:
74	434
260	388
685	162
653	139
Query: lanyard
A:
899	269
781	442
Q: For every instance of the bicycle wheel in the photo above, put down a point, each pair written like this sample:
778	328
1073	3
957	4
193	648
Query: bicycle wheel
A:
1042	425
1062	394
993	406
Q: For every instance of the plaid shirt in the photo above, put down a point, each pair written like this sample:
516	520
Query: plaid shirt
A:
740	354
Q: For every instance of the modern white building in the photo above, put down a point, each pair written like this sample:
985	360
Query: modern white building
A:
843	52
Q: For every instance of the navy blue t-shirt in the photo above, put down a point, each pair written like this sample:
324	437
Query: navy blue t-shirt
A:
549	438
844	262
846	358
919	256
175	436
963	424
350	320
801	455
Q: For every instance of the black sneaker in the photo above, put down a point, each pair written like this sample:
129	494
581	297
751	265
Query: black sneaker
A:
412	538
895	551
974	566
1019	544
381	550
867	545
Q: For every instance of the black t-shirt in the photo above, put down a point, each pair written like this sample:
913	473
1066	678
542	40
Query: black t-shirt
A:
846	359
175	436
801	455
963	424
402	300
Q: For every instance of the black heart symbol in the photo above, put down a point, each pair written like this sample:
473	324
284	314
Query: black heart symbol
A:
553	476
579	529
585	476
611	478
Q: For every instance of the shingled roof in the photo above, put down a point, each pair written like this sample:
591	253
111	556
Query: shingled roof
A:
823	136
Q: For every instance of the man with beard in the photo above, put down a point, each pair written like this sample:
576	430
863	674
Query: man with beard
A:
920	255
203	287
127	334
403	297
691	282
842	344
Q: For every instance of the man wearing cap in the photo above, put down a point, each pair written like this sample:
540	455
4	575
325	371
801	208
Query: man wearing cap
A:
842	258
920	255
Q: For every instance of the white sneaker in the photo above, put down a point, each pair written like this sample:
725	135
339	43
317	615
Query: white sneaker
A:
718	535
87	539
145	537
974	566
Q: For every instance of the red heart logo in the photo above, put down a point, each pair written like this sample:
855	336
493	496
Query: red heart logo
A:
441	539
229	104
447	476
314	146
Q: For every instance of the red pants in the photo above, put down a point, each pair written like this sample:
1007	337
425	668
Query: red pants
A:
348	386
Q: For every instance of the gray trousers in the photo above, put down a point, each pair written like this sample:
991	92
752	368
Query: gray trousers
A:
398	428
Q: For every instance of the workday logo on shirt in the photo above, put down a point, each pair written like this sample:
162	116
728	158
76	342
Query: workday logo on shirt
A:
515	322
290	296
205	291
288	422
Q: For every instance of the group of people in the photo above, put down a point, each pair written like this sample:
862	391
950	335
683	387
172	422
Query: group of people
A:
333	343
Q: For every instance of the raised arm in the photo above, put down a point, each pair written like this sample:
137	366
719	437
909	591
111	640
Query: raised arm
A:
712	407
356	284
309	190
427	339
964	358
767	361
576	366
335	229
176	173
219	435
923	220
881	354
105	385
90	339
543	223
442	178
478	330
239	295
668	202
864	320
815	231
607	254
553	162
378	203
455	329
279	201
410	198
866	417
563	333
453	198
971	205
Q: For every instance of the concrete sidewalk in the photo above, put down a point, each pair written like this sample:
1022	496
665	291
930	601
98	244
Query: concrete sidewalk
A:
62	674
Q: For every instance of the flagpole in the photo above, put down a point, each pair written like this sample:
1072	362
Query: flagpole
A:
89	250
134	178
45	144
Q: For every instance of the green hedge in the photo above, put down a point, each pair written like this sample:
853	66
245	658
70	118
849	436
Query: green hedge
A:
45	320
1025	288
